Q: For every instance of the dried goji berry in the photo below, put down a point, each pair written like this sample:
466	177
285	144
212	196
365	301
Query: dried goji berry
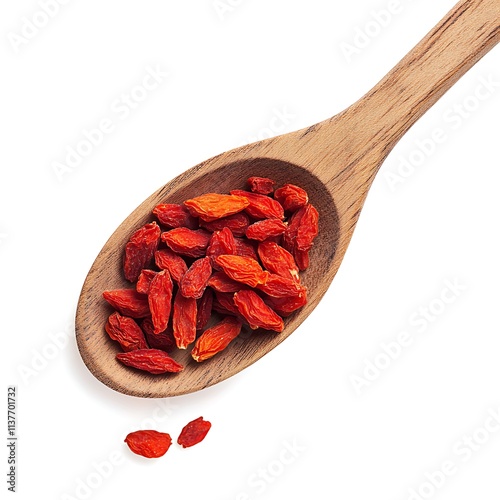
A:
184	320
139	250
291	197
260	206
243	269
194	432
149	443
221	282
221	243
173	215
237	223
153	361
224	304
216	338
308	228
301	258
189	242
245	248
264	229
211	206
256	312
163	340
175	264
284	306
128	302
195	279
279	286
277	260
144	281
300	233
261	185
204	308
126	332
290	234
160	300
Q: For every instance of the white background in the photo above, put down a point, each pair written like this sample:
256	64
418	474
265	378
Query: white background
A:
230	71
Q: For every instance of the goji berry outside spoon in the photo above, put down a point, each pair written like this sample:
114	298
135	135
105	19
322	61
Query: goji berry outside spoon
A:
335	161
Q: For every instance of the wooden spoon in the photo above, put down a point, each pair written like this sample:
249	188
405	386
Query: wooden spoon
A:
335	161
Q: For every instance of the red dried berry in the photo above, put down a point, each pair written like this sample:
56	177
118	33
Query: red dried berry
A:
224	304
237	223
246	248
264	229
215	339
139	250
189	242
277	260
148	443
221	282
194	432
172	215
150	360
291	197
126	332
221	243
308	228
144	281
260	206
184	320
279	286
194	281
290	233
204	308
300	233
163	340
243	269
284	306
255	311
301	258
160	300
212	206
128	302
261	185
175	264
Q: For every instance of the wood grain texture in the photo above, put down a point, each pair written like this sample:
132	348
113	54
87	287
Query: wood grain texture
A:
335	161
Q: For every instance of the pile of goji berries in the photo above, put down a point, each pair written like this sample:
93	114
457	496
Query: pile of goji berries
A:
154	444
237	255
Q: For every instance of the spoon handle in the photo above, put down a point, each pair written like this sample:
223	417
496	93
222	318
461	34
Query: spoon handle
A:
385	113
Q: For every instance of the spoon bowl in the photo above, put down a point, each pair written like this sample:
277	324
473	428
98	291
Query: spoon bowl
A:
99	351
335	161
